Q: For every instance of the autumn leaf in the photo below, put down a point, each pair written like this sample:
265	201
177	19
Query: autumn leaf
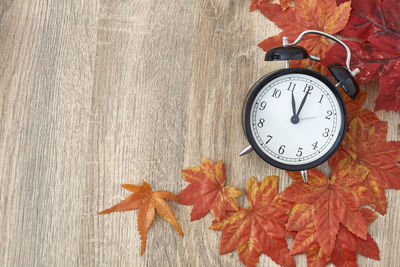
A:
147	202
255	4
333	201
374	64
285	4
207	192
259	228
376	24
322	15
346	245
354	108
316	257
366	146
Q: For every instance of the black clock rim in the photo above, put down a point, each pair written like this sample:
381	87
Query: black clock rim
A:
246	120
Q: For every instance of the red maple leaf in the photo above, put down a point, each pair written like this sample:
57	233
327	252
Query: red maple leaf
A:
365	145
333	201
323	15
376	24
375	21
374	64
207	192
346	245
354	108
259	228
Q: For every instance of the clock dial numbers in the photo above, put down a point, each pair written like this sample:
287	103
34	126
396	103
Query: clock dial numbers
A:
318	122
299	152
281	149
315	145
291	87
320	100
329	112
308	88
326	132
263	105
277	93
260	123
268	139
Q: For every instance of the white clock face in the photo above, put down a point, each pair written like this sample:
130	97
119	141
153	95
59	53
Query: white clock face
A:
295	119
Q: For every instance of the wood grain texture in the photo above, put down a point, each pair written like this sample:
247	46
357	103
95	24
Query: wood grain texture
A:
97	93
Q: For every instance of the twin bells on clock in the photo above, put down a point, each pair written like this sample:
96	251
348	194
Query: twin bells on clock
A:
295	118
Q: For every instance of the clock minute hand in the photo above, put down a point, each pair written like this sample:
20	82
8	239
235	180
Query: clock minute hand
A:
302	102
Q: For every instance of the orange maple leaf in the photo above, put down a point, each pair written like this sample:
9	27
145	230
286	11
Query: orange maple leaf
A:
354	108
365	145
322	15
346	245
147	202
207	192
259	228
333	201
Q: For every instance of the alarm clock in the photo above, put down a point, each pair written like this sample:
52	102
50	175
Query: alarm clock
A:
295	118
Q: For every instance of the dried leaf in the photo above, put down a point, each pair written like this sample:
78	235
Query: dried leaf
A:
366	146
323	15
259	228
147	202
333	202
207	192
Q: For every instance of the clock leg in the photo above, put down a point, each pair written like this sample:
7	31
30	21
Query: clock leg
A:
246	150
304	174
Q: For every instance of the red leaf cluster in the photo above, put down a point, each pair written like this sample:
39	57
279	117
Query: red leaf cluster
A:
331	202
250	231
376	25
327	218
323	15
259	228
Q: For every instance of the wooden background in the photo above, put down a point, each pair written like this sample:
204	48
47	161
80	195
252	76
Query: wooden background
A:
102	92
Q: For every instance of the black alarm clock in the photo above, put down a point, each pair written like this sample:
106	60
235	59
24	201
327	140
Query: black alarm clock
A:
295	118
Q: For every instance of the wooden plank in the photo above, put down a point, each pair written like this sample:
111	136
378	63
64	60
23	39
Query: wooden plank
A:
138	124
47	53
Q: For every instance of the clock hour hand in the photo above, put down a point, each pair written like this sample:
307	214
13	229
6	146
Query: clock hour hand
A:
302	102
294	119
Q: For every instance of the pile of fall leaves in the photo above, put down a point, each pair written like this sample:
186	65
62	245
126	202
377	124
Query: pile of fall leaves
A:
327	218
372	30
